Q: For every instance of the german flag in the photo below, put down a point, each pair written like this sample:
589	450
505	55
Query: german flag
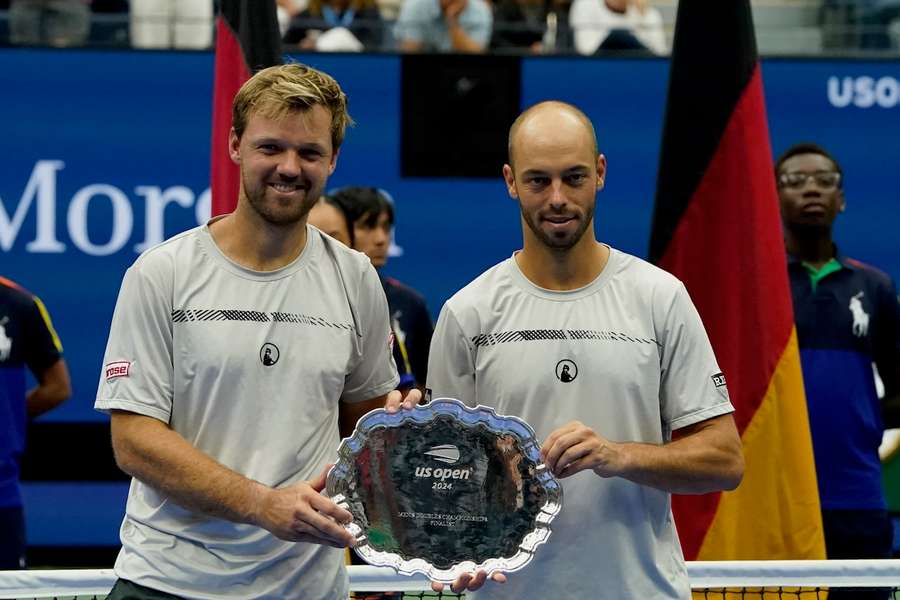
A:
716	226
247	40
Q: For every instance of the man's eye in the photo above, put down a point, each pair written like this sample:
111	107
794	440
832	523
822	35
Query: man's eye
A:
577	178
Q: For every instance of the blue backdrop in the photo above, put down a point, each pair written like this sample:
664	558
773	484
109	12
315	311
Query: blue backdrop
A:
107	152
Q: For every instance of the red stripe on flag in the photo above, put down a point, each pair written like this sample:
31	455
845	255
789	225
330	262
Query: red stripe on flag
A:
231	72
729	252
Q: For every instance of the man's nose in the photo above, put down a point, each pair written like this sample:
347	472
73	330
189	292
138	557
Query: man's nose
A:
811	185
289	165
557	198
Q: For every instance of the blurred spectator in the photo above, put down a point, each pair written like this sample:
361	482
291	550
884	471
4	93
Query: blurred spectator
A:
27	339
875	18
58	23
389	9
331	218
532	25
616	25
372	213
519	24
558	37
314	28
444	26
184	24
287	10
109	23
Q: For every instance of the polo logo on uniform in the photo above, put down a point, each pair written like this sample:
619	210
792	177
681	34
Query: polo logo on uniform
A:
860	316
5	341
119	368
447	453
718	379
566	370
269	354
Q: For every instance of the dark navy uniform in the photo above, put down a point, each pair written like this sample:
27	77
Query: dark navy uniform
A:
847	318
27	339
412	327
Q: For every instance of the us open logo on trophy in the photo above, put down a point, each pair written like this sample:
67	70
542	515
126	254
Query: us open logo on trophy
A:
423	505
448	453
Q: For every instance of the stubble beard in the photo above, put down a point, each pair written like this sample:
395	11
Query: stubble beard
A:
280	216
557	243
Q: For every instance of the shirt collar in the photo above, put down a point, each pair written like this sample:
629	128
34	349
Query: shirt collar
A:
838	255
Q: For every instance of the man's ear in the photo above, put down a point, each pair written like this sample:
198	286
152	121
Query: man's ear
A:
510	180
842	204
601	171
334	158
234	146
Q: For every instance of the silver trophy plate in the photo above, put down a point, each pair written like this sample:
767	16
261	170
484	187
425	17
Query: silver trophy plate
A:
444	489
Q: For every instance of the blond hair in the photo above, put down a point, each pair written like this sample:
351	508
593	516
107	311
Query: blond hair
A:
277	91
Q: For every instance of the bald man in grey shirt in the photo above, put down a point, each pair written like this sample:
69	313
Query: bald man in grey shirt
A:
605	356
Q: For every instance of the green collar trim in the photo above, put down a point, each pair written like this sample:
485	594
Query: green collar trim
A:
817	275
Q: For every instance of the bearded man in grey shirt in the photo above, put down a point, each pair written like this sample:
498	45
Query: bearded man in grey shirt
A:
234	349
605	356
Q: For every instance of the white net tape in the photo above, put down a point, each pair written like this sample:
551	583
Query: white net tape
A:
703	575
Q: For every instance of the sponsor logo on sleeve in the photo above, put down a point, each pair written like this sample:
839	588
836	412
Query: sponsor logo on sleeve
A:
119	368
719	380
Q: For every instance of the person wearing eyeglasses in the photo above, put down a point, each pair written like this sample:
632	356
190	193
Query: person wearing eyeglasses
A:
847	318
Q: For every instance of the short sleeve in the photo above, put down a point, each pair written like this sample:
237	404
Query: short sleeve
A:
451	361
137	373
692	388
42	346
374	373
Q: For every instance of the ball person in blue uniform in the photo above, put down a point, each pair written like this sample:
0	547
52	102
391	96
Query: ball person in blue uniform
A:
847	319
27	340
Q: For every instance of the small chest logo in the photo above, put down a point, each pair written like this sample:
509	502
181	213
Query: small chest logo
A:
269	354
718	379
860	316
119	368
566	370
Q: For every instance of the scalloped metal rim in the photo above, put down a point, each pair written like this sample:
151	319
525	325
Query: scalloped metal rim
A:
485	415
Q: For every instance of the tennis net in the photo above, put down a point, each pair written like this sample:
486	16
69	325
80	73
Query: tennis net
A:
713	580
